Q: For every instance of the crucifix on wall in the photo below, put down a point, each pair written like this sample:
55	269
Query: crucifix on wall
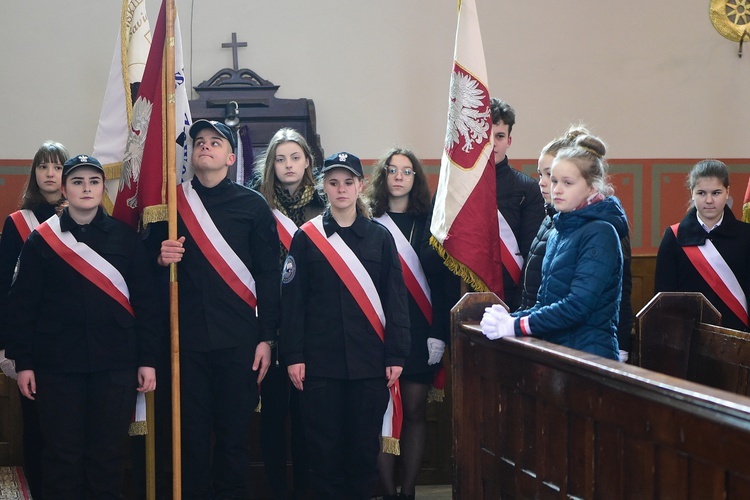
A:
234	45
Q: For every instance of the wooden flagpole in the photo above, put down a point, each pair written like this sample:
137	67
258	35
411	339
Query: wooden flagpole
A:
169	73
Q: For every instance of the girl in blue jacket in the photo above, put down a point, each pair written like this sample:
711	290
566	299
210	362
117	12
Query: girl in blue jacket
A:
578	301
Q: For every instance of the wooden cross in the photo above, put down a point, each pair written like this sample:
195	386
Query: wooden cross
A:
234	45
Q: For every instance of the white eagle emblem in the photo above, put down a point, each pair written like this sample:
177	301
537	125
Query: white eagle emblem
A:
131	166
83	158
343	157
465	118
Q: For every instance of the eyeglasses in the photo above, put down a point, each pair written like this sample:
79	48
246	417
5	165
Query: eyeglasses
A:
392	170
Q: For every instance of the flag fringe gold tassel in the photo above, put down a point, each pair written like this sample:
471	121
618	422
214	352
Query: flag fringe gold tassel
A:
155	213
138	428
746	212
435	395
459	269
390	445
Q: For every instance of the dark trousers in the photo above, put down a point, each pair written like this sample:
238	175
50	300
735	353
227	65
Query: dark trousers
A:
84	419
343	420
33	444
279	398
219	395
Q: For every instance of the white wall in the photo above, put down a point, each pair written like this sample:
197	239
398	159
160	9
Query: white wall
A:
654	79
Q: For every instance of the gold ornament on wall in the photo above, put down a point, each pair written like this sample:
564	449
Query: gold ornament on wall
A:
731	18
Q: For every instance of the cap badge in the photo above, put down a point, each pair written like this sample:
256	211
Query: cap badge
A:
343	157
83	158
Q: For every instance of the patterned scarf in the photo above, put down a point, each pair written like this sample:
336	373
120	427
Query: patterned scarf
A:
293	205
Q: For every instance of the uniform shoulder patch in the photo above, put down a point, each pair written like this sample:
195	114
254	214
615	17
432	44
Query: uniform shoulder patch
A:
290	269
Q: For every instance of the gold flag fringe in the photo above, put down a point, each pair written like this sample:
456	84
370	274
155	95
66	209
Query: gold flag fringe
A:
390	445
260	405
459	269
746	212
154	213
435	395
138	428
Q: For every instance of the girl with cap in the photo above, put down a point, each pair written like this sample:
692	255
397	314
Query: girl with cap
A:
40	199
285	178
344	332
578	300
709	250
400	200
81	355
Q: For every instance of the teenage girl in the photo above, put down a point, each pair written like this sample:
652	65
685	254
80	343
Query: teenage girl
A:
578	301
83	331
344	332
399	199
709	250
41	197
286	181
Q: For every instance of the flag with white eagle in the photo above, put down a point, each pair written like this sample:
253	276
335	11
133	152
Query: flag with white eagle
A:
464	222
125	75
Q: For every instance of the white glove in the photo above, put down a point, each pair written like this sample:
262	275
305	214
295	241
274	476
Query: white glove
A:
624	355
8	366
436	348
497	323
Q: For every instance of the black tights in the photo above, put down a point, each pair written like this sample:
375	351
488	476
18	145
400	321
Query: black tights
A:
413	435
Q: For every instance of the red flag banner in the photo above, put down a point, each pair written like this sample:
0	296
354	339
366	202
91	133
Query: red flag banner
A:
142	195
464	222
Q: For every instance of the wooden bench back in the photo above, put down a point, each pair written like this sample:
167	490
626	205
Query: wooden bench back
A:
536	420
676	334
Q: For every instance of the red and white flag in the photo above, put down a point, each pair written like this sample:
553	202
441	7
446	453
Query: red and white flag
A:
142	195
125	73
464	222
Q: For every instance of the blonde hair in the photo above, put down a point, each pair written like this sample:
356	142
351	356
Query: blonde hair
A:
587	152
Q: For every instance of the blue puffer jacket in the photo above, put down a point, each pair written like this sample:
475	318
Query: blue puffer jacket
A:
578	301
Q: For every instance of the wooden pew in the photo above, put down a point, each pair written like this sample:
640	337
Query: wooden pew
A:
676	334
536	420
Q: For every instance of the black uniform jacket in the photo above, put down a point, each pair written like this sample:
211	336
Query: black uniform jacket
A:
675	272
322	325
61	322
10	248
520	201
212	316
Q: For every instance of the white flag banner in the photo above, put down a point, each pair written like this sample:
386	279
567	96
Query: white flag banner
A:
128	63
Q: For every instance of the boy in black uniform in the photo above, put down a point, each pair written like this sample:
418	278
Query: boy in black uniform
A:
519	200
84	332
229	270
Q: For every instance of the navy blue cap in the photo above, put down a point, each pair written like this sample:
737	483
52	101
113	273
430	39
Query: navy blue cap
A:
81	161
221	128
343	160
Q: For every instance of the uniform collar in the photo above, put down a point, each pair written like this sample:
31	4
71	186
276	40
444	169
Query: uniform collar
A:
68	224
705	226
330	225
217	190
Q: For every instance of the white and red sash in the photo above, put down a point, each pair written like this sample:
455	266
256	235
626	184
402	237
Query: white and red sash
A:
359	283
286	228
25	222
414	276
86	262
716	272
510	254
214	247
